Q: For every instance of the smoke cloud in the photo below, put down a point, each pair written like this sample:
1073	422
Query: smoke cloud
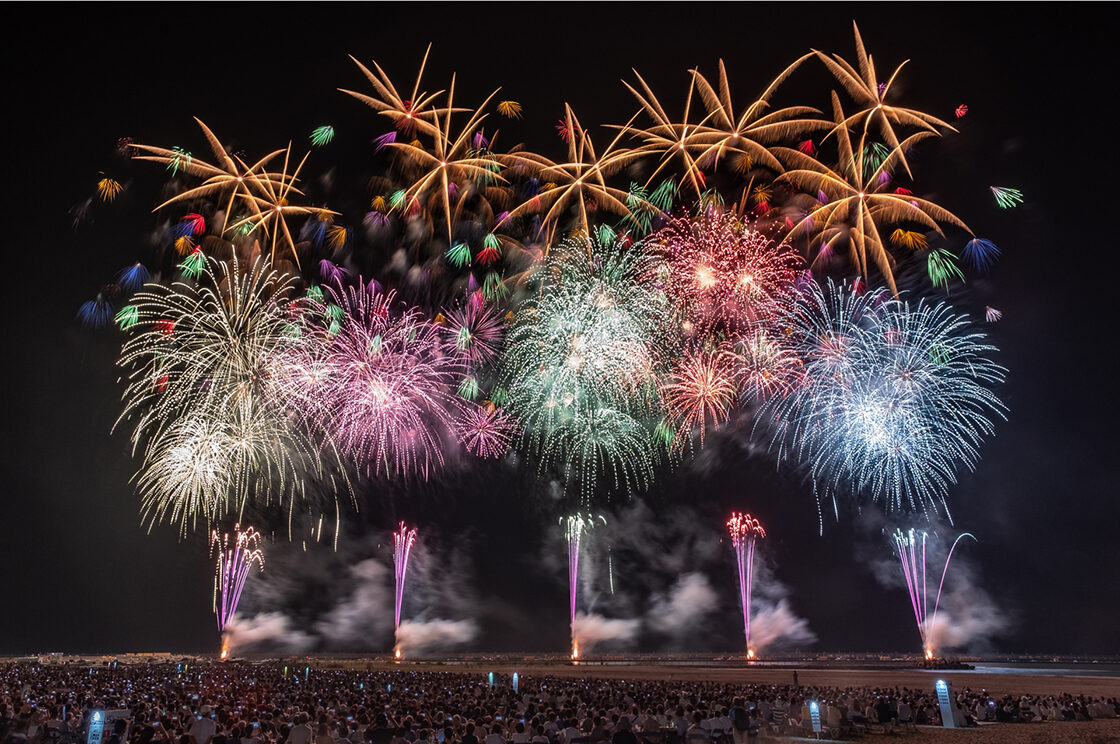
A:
420	637
967	618
364	616
777	627
590	630
266	631
678	613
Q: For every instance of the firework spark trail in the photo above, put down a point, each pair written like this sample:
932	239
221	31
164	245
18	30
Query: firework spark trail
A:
911	550
894	397
237	552
581	363
745	530
202	397
403	539
723	274
372	376
575	525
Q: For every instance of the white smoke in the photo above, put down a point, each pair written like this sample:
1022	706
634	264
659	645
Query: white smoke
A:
366	614
967	618
343	600
589	630
267	630
776	626
679	612
419	637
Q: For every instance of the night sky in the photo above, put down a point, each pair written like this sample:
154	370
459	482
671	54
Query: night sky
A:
80	572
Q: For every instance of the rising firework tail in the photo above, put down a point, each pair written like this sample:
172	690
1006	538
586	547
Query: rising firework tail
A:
910	549
236	553
745	531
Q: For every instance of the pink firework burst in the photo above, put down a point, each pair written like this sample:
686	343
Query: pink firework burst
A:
745	530
724	273
475	332
485	430
377	380
765	367
699	393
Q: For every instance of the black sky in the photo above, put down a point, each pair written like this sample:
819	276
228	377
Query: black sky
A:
79	571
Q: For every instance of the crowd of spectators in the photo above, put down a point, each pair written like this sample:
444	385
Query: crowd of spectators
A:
241	703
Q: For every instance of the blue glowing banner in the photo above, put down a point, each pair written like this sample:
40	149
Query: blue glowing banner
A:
96	727
815	716
947	703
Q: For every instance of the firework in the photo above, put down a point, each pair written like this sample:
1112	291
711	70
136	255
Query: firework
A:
109	189
991	314
403	540
698	393
322	136
871	96
581	364
743	135
580	182
724	274
895	397
745	530
574	526
203	377
96	313
765	367
236	553
486	431
1007	197
133	277
941	266
859	203
961	111
415	114
509	109
910	548
982	254
375	379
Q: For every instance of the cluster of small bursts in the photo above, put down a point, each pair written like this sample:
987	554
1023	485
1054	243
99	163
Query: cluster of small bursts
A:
604	331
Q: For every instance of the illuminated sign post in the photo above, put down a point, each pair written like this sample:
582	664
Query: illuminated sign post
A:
491	680
515	681
815	716
946	703
96	727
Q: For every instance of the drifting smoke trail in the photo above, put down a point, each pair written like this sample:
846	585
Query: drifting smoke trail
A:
272	630
403	539
237	552
910	547
417	637
745	530
679	612
589	629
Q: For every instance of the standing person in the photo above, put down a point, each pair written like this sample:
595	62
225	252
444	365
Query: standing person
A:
301	733
795	678
740	721
623	734
203	728
496	736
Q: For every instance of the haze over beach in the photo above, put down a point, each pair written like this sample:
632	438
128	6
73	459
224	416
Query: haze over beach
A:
696	363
